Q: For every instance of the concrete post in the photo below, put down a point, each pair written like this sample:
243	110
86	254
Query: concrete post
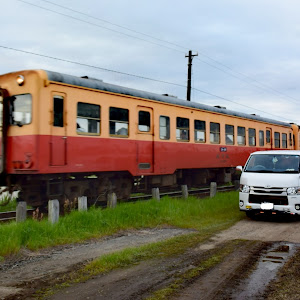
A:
185	192
82	203
21	211
213	189
53	211
155	194
111	200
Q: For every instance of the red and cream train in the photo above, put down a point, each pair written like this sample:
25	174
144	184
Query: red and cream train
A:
66	136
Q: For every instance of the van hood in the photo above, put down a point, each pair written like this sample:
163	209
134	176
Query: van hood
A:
269	179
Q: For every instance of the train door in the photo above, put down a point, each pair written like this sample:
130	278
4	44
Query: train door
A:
58	139
269	138
145	140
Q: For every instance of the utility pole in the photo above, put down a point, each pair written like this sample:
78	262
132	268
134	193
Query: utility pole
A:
189	81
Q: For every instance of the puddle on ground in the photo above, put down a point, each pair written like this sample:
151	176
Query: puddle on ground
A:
268	266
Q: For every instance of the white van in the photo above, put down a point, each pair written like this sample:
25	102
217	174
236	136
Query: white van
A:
270	183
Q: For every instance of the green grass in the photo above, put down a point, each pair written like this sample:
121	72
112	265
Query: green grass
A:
205	214
7	203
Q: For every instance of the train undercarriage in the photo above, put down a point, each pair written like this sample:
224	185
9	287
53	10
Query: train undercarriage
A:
36	190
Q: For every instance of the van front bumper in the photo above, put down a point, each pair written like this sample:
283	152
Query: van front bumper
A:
270	204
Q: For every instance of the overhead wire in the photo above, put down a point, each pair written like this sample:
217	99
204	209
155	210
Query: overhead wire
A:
114	24
245	78
97	25
133	75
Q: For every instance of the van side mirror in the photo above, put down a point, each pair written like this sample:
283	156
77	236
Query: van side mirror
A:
239	168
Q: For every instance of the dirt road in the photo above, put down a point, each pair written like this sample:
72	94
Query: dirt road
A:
250	254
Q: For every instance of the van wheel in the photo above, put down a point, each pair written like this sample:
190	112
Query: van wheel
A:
250	214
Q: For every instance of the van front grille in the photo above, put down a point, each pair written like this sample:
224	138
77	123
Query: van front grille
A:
276	200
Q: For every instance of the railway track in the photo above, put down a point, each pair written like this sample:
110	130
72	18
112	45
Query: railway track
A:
11	215
202	192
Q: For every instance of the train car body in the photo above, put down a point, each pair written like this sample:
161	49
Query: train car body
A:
69	136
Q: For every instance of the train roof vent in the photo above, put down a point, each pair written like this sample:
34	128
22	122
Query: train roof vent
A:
87	77
255	115
219	106
168	95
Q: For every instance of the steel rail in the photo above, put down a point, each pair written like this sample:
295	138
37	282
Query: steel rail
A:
201	191
11	215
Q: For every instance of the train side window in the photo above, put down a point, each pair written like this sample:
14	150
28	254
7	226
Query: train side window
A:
291	139
261	138
199	131
88	118
144	121
277	139
241	138
284	140
215	133
164	128
229	134
58	111
183	129
252	137
268	136
118	121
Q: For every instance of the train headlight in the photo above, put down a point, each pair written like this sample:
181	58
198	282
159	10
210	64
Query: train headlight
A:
20	80
241	203
244	188
293	190
297	206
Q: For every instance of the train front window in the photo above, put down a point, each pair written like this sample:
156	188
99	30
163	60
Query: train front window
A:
21	107
88	118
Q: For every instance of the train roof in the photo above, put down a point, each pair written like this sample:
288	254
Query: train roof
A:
100	85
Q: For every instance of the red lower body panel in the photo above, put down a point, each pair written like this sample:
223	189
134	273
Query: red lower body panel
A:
45	154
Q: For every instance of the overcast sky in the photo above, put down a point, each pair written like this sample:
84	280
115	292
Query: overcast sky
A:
248	50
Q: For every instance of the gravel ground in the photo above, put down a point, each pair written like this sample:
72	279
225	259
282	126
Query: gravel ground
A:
21	275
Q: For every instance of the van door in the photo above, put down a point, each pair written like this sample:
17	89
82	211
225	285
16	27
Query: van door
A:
145	140
58	138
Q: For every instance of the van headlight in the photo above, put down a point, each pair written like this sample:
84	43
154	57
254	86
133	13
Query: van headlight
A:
244	188
293	190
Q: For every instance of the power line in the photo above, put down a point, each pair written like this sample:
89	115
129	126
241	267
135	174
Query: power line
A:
222	98
97	25
133	75
260	85
90	66
114	24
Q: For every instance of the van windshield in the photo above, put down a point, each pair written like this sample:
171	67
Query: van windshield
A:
273	163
